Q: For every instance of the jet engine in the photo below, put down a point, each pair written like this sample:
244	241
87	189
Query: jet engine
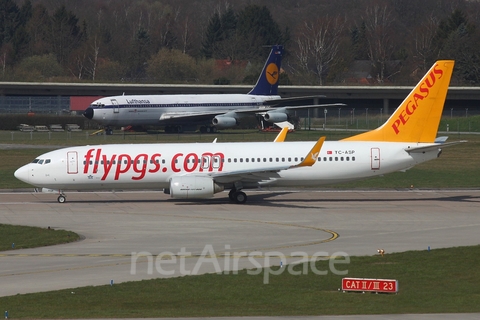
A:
275	116
191	187
224	122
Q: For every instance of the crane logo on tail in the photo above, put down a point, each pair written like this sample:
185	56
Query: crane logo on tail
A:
272	73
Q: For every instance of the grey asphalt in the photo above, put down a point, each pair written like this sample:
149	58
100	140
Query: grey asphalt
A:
115	225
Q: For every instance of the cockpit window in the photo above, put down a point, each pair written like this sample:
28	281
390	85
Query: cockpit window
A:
42	161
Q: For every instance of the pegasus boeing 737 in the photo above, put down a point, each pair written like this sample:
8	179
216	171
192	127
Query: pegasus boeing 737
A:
199	170
211	111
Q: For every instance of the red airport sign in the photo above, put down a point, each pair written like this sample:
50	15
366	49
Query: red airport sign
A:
370	285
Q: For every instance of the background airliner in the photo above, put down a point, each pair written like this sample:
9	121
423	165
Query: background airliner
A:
199	170
185	112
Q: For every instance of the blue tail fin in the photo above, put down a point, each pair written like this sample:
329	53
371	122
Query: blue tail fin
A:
267	83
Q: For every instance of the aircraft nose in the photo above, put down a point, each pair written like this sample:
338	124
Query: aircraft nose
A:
88	113
22	174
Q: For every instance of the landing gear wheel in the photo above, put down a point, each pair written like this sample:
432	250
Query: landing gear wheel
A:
231	194
240	197
61	199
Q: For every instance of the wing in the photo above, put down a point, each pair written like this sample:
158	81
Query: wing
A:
264	174
170	117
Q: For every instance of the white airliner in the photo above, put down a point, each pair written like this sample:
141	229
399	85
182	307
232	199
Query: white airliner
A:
184	112
199	170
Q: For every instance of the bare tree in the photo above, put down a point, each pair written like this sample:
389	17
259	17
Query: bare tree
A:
318	45
423	38
380	45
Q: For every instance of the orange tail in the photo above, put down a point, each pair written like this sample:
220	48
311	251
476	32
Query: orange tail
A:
418	116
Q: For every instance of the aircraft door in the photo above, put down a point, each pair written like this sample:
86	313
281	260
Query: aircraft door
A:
72	162
115	105
205	163
375	157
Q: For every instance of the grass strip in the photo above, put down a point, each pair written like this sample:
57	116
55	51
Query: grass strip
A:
436	281
22	237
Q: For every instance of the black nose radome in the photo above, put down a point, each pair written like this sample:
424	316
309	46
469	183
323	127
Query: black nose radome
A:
88	113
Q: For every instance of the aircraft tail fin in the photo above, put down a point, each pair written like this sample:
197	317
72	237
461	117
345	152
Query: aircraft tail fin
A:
267	83
418	116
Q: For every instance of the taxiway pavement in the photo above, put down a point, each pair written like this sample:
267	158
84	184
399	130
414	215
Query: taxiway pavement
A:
116	225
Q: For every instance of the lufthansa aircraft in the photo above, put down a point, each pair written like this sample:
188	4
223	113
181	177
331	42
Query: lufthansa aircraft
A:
180	112
199	170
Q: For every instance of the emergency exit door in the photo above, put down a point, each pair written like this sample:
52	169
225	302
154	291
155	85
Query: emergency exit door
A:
375	156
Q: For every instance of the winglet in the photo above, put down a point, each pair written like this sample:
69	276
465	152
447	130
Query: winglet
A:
281	135
267	83
418	116
312	155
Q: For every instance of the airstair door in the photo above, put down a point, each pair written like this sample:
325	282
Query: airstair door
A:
72	162
115	105
375	154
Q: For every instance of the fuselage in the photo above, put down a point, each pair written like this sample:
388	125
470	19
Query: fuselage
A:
152	166
145	110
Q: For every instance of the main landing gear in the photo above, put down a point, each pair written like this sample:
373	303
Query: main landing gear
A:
237	196
208	129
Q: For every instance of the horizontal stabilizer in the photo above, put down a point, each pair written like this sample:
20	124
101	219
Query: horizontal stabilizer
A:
433	147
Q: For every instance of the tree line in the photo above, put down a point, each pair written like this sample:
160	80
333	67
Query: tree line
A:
217	41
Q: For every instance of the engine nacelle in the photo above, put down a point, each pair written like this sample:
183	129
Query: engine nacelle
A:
224	122
191	187
275	116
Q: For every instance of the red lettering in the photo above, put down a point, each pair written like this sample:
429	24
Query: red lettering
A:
395	125
88	156
438	71
142	159
107	165
156	164
417	97
410	108
424	90
187	160
432	76
402	117
119	169
97	160
174	162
